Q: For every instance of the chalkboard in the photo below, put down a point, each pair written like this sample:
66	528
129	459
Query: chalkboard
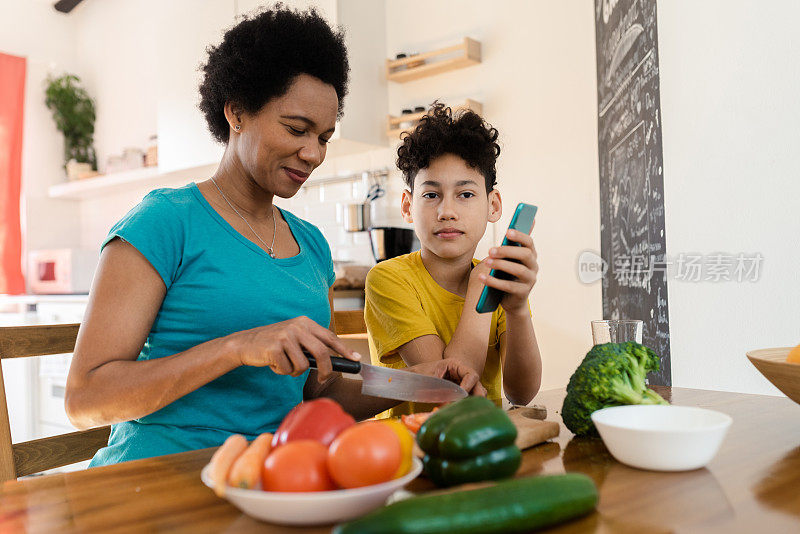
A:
631	171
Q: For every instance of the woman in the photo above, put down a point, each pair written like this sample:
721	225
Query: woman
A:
206	295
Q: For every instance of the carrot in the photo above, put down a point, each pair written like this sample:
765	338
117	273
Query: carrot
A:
223	459
246	470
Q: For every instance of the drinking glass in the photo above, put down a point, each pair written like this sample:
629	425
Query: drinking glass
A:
617	331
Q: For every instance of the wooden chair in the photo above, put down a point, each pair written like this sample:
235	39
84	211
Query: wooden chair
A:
29	457
349	322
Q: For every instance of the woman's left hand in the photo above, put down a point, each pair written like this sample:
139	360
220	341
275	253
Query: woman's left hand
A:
525	270
453	370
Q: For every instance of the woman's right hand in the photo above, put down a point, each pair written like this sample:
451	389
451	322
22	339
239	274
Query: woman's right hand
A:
280	347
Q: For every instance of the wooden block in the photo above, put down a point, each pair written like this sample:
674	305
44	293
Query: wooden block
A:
531	432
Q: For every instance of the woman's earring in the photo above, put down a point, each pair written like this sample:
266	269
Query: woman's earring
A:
237	127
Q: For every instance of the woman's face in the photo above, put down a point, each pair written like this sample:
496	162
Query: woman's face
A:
287	139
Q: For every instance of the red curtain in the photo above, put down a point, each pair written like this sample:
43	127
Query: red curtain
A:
12	100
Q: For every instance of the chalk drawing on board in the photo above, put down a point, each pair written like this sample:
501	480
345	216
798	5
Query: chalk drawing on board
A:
623	47
630	230
633	243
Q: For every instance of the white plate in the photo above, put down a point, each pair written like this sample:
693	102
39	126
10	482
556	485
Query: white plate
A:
662	438
315	507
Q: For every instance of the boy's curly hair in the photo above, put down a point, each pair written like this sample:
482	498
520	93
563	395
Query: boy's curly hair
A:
259	58
464	134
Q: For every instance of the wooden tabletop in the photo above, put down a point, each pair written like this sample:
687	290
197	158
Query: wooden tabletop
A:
752	485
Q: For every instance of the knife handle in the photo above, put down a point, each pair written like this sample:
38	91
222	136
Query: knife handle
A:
343	365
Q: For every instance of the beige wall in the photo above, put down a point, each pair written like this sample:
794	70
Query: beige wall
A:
538	88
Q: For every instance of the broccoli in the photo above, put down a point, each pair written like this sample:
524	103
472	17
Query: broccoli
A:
612	374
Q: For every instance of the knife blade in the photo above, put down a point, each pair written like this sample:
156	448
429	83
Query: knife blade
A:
396	383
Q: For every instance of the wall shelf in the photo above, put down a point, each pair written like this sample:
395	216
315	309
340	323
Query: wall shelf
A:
464	54
108	184
394	130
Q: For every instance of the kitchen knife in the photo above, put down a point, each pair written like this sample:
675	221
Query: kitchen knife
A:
396	383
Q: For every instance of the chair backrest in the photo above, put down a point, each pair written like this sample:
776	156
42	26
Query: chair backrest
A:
349	322
27	458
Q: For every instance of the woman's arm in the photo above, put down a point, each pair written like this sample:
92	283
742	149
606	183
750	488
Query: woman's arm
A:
106	383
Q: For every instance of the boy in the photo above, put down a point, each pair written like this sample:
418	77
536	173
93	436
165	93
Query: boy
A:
421	306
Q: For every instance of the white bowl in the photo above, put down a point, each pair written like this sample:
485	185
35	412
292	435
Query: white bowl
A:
662	438
314	507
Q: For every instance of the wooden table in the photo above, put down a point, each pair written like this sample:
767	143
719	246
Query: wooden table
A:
753	484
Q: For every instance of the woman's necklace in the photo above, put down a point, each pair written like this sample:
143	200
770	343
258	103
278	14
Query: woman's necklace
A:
274	222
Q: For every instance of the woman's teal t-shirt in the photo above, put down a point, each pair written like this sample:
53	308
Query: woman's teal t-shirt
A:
218	282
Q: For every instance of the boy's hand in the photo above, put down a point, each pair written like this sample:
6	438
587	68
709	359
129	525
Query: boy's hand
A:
475	284
516	291
453	370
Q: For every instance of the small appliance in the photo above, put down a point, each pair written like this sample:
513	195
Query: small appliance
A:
61	271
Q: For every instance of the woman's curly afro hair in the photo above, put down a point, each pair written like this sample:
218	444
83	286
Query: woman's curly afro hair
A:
439	132
259	58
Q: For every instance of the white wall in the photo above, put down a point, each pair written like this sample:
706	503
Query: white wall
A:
730	107
34	30
118	53
538	88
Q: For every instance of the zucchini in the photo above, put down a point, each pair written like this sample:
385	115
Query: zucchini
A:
518	505
499	463
474	434
428	434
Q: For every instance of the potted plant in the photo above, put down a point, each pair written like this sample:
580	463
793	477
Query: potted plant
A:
73	111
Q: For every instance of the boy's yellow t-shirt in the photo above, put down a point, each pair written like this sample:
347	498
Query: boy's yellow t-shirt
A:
403	302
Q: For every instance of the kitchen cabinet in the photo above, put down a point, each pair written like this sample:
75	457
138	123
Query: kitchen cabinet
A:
35	387
51	372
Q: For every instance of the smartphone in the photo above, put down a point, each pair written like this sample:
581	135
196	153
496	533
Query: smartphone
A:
522	221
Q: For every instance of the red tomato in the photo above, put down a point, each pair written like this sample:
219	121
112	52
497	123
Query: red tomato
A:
415	420
364	454
319	419
297	466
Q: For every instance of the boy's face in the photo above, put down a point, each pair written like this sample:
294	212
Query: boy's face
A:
450	207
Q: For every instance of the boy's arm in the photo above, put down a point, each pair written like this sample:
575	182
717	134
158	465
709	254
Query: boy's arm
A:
522	363
470	339
397	322
519	351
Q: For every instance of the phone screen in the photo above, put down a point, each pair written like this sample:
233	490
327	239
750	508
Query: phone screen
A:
522	221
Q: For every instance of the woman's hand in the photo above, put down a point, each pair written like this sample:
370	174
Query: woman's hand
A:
525	270
453	370
280	346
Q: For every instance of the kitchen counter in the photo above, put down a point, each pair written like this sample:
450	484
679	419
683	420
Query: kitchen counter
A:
751	485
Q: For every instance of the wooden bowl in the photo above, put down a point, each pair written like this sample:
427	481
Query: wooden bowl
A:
773	365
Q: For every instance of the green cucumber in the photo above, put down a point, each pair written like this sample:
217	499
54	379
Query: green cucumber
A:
428	434
472	434
499	463
518	505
